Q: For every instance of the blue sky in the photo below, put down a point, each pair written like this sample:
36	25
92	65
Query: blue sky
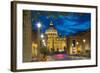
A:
66	23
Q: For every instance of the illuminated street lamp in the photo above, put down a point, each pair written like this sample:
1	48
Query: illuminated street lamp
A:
39	25
77	43
43	40
72	45
42	36
84	41
38	50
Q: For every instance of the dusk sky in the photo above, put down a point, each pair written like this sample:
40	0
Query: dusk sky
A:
66	23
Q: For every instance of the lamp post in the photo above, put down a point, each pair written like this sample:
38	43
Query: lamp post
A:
84	41
43	41
38	49
42	36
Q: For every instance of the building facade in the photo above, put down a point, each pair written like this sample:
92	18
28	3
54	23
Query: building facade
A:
80	44
53	41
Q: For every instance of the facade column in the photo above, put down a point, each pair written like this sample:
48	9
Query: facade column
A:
27	37
38	48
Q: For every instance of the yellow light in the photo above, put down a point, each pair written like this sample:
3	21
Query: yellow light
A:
77	43
43	40
72	45
44	43
42	35
84	40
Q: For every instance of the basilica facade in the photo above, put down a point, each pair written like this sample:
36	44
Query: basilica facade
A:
53	41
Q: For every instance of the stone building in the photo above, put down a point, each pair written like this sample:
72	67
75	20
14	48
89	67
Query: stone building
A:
53	41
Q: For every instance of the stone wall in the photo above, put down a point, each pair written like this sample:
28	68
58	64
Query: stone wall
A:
27	37
81	47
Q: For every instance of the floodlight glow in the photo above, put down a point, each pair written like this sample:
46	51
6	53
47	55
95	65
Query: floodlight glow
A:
43	40
44	44
42	35
84	40
72	45
77	43
38	25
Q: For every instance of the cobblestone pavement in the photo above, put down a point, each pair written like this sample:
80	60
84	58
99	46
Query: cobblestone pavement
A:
59	57
65	57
